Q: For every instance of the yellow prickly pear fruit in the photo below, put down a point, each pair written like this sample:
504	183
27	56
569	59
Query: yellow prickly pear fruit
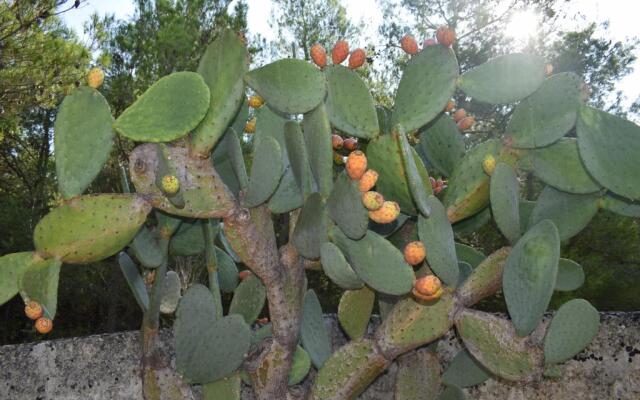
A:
44	325
489	164
33	310
427	288
414	253
385	214
250	126
372	200
356	164
256	101
368	180
95	77
170	184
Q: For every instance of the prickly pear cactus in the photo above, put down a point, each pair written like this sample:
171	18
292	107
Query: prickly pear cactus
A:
355	183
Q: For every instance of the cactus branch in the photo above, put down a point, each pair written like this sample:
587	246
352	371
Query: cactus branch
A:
212	265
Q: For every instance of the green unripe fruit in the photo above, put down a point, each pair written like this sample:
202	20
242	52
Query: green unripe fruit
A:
170	184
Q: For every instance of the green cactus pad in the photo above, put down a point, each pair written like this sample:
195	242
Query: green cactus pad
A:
570	275
90	228
207	349
266	171
530	275
465	270
167	224
288	195
346	209
443	145
313	333
569	212
349	371
472	224
428	82
233	148
248	299
311	229
526	208
493	342
298	157
485	280
621	206
39	282
354	311
228	388
504	79
505	201
337	268
609	147
12	266
317	137
299	366
572	328
420	190
204	193
170	293
464	371
227	272
437	236
418	376
349	104
377	262
412	324
222	67
146	250
548	114
168	110
559	165
134	280
469	255
468	191
83	139
269	123
384	119
290	86
188	239
452	393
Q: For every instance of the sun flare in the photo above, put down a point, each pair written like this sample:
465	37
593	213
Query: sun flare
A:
523	24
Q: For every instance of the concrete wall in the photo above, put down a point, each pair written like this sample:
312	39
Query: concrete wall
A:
106	367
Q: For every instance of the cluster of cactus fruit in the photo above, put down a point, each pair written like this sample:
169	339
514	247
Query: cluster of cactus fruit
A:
395	245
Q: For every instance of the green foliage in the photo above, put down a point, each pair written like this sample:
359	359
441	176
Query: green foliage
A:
313	332
437	236
346	209
354	311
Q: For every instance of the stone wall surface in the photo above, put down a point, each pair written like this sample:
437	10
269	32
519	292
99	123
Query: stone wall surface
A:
105	367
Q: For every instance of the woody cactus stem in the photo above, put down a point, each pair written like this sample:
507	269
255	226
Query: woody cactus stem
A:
212	266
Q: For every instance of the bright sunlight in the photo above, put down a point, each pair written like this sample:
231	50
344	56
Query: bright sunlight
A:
523	24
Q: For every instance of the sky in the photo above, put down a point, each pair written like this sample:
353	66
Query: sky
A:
621	14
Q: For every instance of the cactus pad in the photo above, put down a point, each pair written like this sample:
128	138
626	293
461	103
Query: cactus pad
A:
228	388
354	311
464	371
168	110
12	266
266	171
485	280
418	376
442	144
248	299
188	239
570	275
83	139
39	282
317	137
418	183
170	293
505	201
346	209
469	255
311	229
290	86
299	366
134	280
227	271
621	206
337	268
572	328
288	195
313	333
297	153
146	250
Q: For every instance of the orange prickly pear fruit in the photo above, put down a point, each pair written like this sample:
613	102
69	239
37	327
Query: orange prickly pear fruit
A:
356	164
489	164
256	101
357	58
409	44
250	126
170	184
429	42
414	253
548	69
263	321
95	77
427	288
336	141
338	158
466	123
385	214
33	310
350	144
340	52
446	36
372	201
319	55
449	106
244	274
459	114
368	180
44	325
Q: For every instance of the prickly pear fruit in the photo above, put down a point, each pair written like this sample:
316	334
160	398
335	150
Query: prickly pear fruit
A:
357	58
256	101
340	51
250	126
170	184
356	164
466	123
459	115
372	200
427	288
409	44
385	214
368	180
350	144
244	274
44	325
548	69
414	253
263	321
336	141
446	36
319	55
449	106
95	77
33	310
429	42
338	158
489	164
